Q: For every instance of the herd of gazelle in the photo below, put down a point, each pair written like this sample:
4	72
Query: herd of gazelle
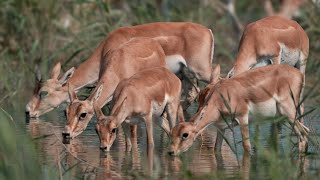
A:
135	69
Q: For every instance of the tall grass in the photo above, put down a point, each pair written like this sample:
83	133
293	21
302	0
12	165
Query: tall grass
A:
18	155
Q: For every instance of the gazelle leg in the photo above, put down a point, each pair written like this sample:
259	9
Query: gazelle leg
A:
287	108
134	133
126	129
302	68
244	126
149	128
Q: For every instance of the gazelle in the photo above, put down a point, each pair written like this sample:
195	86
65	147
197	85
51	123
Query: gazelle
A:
272	40
265	91
144	96
187	46
130	58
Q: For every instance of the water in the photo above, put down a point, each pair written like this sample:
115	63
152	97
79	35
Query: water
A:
83	159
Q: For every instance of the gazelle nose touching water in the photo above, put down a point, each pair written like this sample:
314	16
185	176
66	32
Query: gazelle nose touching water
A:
187	46
147	94
123	62
272	40
47	96
265	91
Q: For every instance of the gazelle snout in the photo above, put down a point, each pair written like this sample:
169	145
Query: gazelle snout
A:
66	133
173	150
105	148
32	114
173	153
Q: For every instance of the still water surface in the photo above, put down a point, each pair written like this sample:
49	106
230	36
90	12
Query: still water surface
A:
81	158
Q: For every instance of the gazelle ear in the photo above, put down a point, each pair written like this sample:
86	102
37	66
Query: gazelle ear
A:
38	80
97	93
56	71
98	111
72	93
37	73
200	115
215	74
230	73
66	76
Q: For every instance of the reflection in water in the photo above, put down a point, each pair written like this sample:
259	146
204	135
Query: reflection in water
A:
81	158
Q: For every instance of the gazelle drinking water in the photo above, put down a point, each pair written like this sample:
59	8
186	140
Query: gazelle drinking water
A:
265	91
144	96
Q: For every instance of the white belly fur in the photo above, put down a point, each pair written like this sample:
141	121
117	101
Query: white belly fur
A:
267	108
175	62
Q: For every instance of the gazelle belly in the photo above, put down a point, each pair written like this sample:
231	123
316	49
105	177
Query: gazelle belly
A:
266	108
175	62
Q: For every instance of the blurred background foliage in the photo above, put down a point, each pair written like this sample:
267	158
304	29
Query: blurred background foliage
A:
47	31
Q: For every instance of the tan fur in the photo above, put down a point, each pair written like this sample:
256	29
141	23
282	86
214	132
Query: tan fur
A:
192	41
146	95
261	39
265	84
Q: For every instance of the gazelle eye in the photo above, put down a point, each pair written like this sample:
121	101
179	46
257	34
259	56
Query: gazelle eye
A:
114	130
43	94
184	136
83	115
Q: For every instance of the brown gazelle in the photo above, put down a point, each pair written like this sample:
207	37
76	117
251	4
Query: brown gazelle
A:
264	91
272	40
146	95
121	63
187	46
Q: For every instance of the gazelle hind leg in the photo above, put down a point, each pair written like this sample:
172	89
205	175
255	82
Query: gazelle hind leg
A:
287	108
302	67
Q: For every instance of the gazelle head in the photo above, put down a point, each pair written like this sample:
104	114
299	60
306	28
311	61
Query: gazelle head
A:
34	101
50	94
107	127
107	131
79	113
184	134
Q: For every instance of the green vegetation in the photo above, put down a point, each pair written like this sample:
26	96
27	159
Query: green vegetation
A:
44	32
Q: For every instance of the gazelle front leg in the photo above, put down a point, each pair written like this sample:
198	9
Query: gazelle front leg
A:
244	126
149	128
